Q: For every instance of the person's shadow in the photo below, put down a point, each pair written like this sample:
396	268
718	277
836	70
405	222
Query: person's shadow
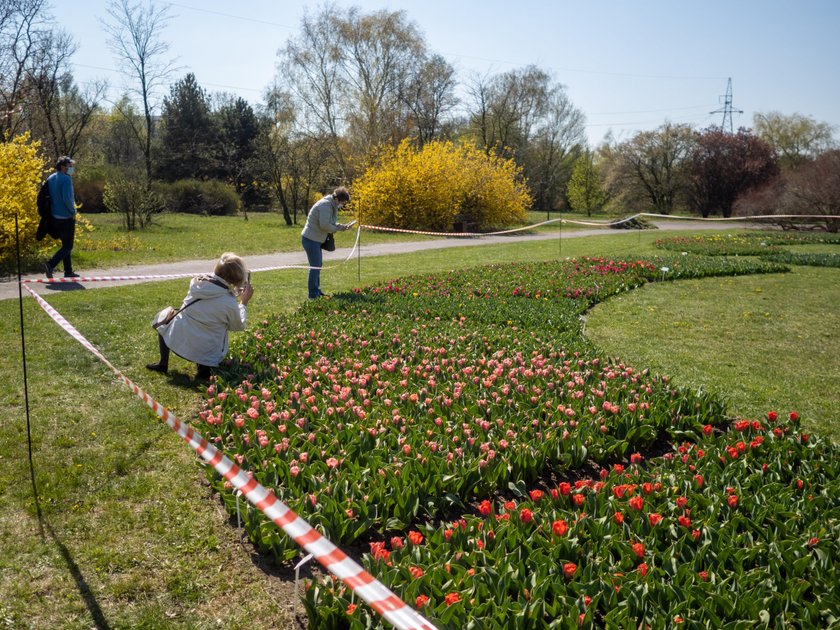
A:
64	286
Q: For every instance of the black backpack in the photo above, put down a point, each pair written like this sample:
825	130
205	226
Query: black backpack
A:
44	202
45	226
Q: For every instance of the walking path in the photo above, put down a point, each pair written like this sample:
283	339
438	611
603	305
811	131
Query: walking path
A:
9	289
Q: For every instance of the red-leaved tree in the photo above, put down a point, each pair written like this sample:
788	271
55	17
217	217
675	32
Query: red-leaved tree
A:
723	166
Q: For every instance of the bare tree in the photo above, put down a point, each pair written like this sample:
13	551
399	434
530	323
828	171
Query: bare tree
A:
507	106
815	189
59	111
429	94
558	139
347	70
650	169
135	39
310	66
293	162
22	30
525	115
378	55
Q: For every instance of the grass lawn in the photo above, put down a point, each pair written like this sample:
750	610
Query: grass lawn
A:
763	342
129	536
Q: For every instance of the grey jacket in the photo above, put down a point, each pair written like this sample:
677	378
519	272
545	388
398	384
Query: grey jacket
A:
322	220
200	333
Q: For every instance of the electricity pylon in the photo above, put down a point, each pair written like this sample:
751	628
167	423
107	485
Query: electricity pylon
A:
727	108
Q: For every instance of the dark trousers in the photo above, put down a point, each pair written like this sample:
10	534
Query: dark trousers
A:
66	233
316	260
203	370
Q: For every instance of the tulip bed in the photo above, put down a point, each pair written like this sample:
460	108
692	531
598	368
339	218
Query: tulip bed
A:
447	427
754	244
735	529
811	260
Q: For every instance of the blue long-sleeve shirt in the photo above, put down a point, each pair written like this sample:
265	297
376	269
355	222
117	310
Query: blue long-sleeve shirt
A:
61	195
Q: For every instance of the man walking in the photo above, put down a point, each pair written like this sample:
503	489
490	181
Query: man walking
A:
64	215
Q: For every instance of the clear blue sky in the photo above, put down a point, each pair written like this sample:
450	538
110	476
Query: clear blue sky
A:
627	64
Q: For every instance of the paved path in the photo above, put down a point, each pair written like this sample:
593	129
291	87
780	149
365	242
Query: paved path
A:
9	289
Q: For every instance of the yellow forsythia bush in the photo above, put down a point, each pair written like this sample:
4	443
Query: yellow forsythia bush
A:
440	185
21	173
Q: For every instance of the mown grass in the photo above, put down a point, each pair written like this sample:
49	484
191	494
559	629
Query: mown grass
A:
129	536
759	341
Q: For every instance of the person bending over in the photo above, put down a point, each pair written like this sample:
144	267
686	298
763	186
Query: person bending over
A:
321	221
214	305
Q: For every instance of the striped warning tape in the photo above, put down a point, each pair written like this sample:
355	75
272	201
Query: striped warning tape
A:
379	228
173	276
376	594
601	223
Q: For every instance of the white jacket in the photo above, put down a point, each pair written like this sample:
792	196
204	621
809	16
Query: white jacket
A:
199	333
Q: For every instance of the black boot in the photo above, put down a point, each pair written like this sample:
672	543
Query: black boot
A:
163	364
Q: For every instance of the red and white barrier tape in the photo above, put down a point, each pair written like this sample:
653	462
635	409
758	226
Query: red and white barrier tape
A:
376	594
165	276
605	224
600	223
380	228
173	276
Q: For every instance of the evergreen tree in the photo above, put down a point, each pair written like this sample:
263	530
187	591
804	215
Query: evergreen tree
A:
188	135
238	129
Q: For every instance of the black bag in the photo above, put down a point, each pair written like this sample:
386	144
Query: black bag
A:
44	204
329	244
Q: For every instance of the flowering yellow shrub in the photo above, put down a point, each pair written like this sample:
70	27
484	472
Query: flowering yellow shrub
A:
440	185
21	172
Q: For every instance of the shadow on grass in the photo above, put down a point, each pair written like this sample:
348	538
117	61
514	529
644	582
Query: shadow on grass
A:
121	468
98	617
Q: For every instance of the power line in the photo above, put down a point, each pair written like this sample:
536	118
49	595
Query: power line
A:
643	122
596	72
230	15
219	85
649	111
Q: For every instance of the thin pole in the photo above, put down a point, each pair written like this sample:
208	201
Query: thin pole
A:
25	378
359	251
560	239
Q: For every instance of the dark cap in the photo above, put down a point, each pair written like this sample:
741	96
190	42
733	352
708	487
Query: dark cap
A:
64	160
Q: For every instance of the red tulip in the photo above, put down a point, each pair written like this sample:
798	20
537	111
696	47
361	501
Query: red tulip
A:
559	527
